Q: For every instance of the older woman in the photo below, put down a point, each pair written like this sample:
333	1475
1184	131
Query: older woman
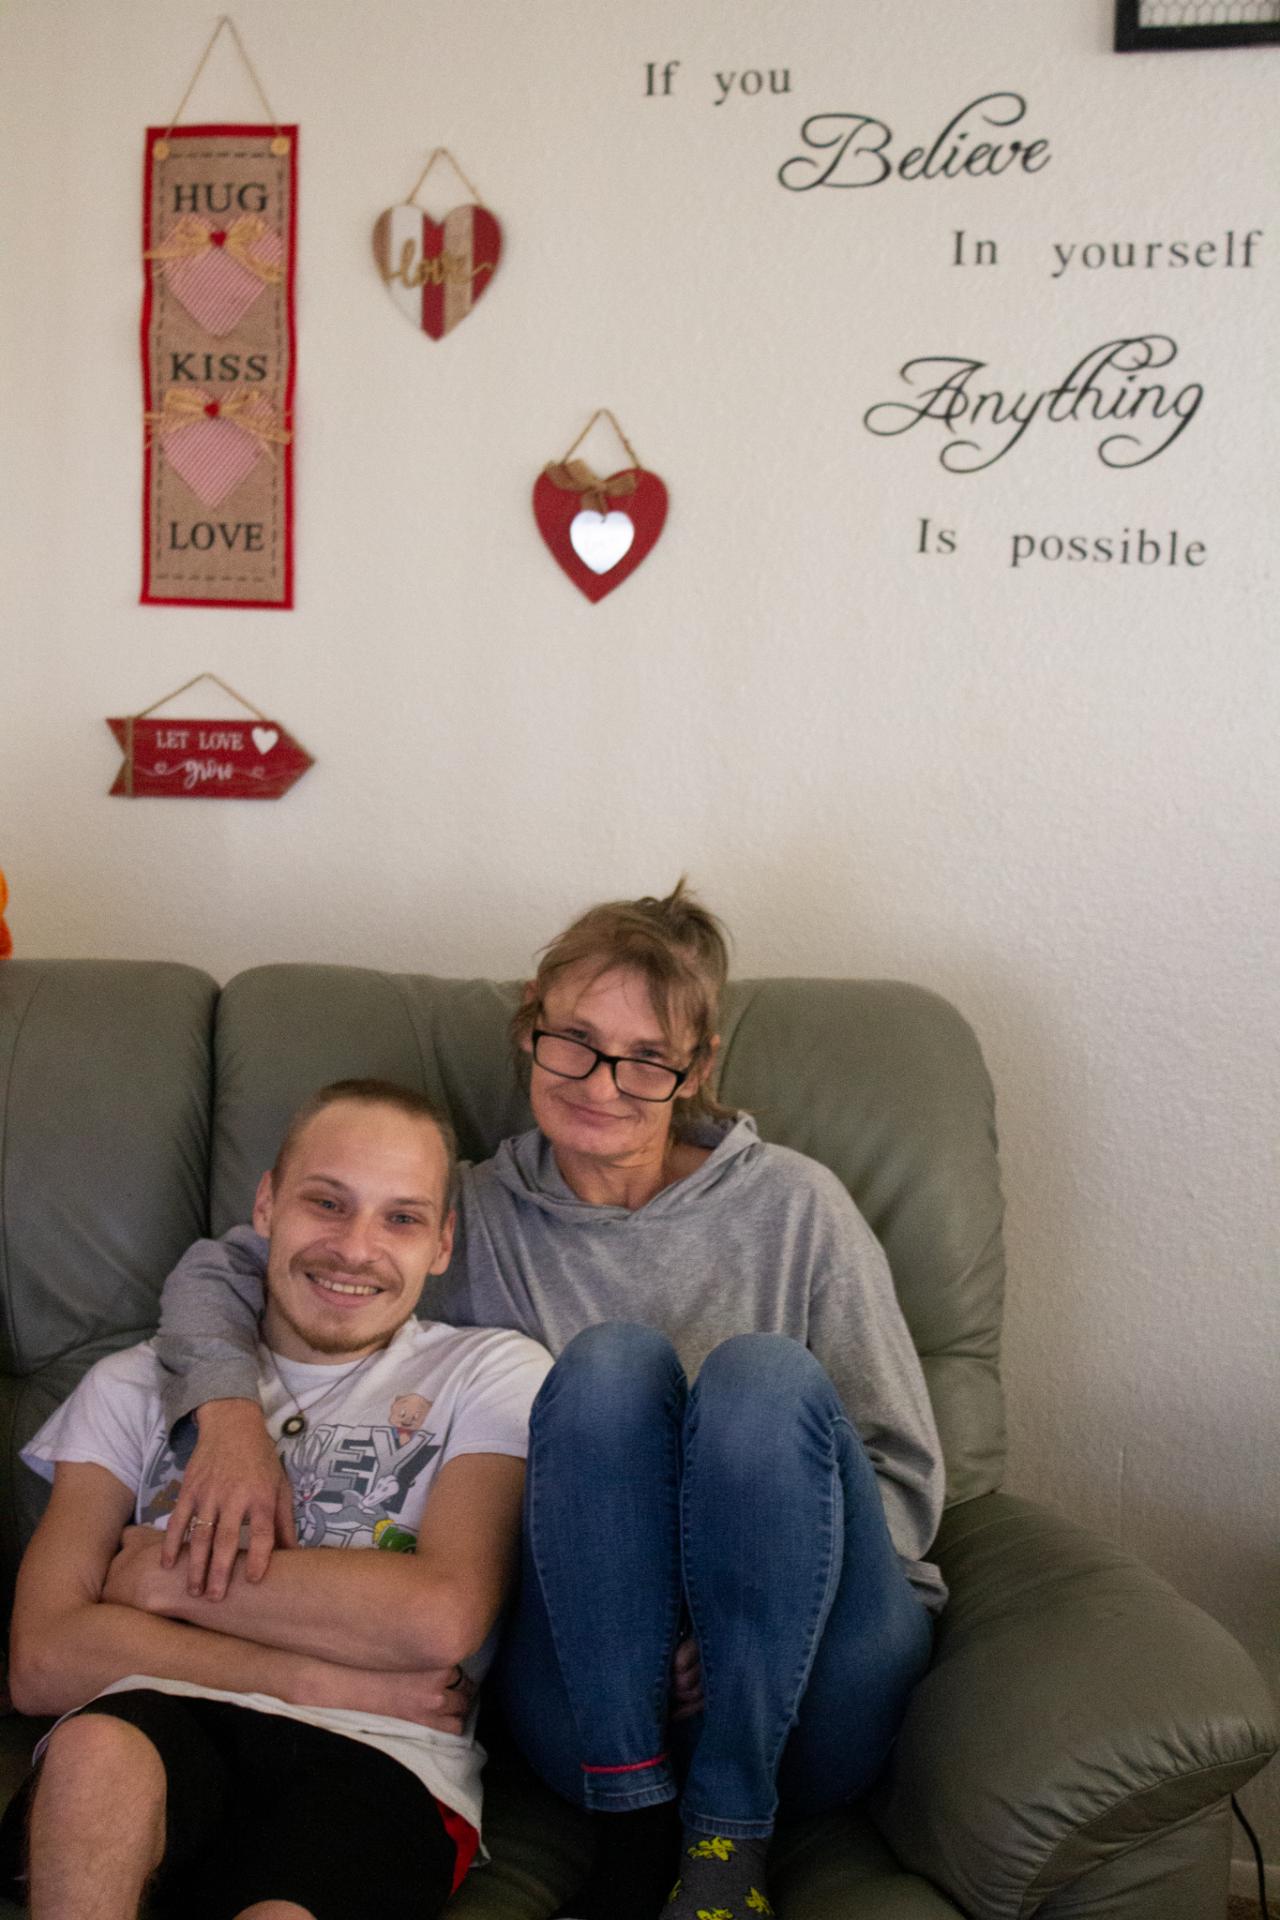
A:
781	1506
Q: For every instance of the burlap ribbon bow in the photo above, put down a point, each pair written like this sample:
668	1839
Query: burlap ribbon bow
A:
244	407
192	236
575	476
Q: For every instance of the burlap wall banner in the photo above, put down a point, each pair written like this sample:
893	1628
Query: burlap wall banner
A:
218	365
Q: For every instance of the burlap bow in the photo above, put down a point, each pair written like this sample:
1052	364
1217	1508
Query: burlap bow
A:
244	407
575	476
193	236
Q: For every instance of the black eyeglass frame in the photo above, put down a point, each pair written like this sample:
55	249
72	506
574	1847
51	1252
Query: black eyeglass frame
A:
613	1061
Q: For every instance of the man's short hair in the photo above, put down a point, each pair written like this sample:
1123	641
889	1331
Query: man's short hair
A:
373	1093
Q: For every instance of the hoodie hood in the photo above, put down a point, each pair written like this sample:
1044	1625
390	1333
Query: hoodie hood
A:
526	1166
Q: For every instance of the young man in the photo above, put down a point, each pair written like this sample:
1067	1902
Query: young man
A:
276	1753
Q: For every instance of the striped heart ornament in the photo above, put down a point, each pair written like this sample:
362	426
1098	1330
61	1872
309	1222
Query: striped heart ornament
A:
435	271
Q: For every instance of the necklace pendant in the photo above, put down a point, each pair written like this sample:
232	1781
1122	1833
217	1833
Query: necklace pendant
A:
294	1425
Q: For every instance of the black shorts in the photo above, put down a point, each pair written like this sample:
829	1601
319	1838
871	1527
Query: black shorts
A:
262	1807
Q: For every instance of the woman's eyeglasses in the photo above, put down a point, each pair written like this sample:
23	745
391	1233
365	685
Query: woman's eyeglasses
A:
637	1079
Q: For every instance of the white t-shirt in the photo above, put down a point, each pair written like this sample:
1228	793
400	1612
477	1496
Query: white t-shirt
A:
378	1431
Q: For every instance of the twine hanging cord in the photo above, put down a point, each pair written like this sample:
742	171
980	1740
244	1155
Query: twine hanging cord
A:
442	153
280	145
163	701
575	476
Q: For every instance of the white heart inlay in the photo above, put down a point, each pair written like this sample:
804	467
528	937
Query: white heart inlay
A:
600	540
264	738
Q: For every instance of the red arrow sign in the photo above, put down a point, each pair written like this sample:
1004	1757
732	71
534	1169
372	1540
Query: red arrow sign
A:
207	759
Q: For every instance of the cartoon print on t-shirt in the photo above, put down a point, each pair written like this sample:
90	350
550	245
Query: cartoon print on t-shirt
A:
348	1481
408	1411
159	1486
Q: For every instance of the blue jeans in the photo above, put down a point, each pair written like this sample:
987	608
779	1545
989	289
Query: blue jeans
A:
749	1502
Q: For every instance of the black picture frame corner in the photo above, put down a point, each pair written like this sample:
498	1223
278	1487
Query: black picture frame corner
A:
1131	36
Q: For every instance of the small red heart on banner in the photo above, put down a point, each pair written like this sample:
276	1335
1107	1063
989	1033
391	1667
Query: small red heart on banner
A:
599	550
435	273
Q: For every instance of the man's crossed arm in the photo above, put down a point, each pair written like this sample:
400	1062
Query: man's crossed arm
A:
381	1633
400	1611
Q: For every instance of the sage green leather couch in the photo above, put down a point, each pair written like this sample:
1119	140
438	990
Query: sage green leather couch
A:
1071	1751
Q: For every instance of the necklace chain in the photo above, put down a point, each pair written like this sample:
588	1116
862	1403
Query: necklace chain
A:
298	1421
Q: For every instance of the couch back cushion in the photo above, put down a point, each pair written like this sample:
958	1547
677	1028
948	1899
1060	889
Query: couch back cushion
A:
882	1082
106	1072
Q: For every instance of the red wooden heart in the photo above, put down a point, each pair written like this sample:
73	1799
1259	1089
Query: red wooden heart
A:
556	508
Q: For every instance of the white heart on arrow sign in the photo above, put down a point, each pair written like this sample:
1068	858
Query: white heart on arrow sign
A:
264	738
600	540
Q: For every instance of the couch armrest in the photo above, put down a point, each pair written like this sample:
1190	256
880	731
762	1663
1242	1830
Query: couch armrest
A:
1076	1706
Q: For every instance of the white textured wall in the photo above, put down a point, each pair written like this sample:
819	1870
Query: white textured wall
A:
1049	792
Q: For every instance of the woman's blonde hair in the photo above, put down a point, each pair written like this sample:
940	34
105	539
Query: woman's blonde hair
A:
679	949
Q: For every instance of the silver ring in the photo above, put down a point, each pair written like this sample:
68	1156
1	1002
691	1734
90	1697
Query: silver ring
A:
452	1686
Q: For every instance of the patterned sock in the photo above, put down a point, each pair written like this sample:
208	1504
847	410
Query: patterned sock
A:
634	1865
720	1880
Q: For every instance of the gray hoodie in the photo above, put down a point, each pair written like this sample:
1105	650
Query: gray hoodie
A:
757	1239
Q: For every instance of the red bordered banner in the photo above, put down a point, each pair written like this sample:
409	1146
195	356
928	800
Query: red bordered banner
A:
218	365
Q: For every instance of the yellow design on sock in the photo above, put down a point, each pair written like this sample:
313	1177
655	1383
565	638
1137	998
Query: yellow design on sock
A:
714	1849
757	1902
714	1913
